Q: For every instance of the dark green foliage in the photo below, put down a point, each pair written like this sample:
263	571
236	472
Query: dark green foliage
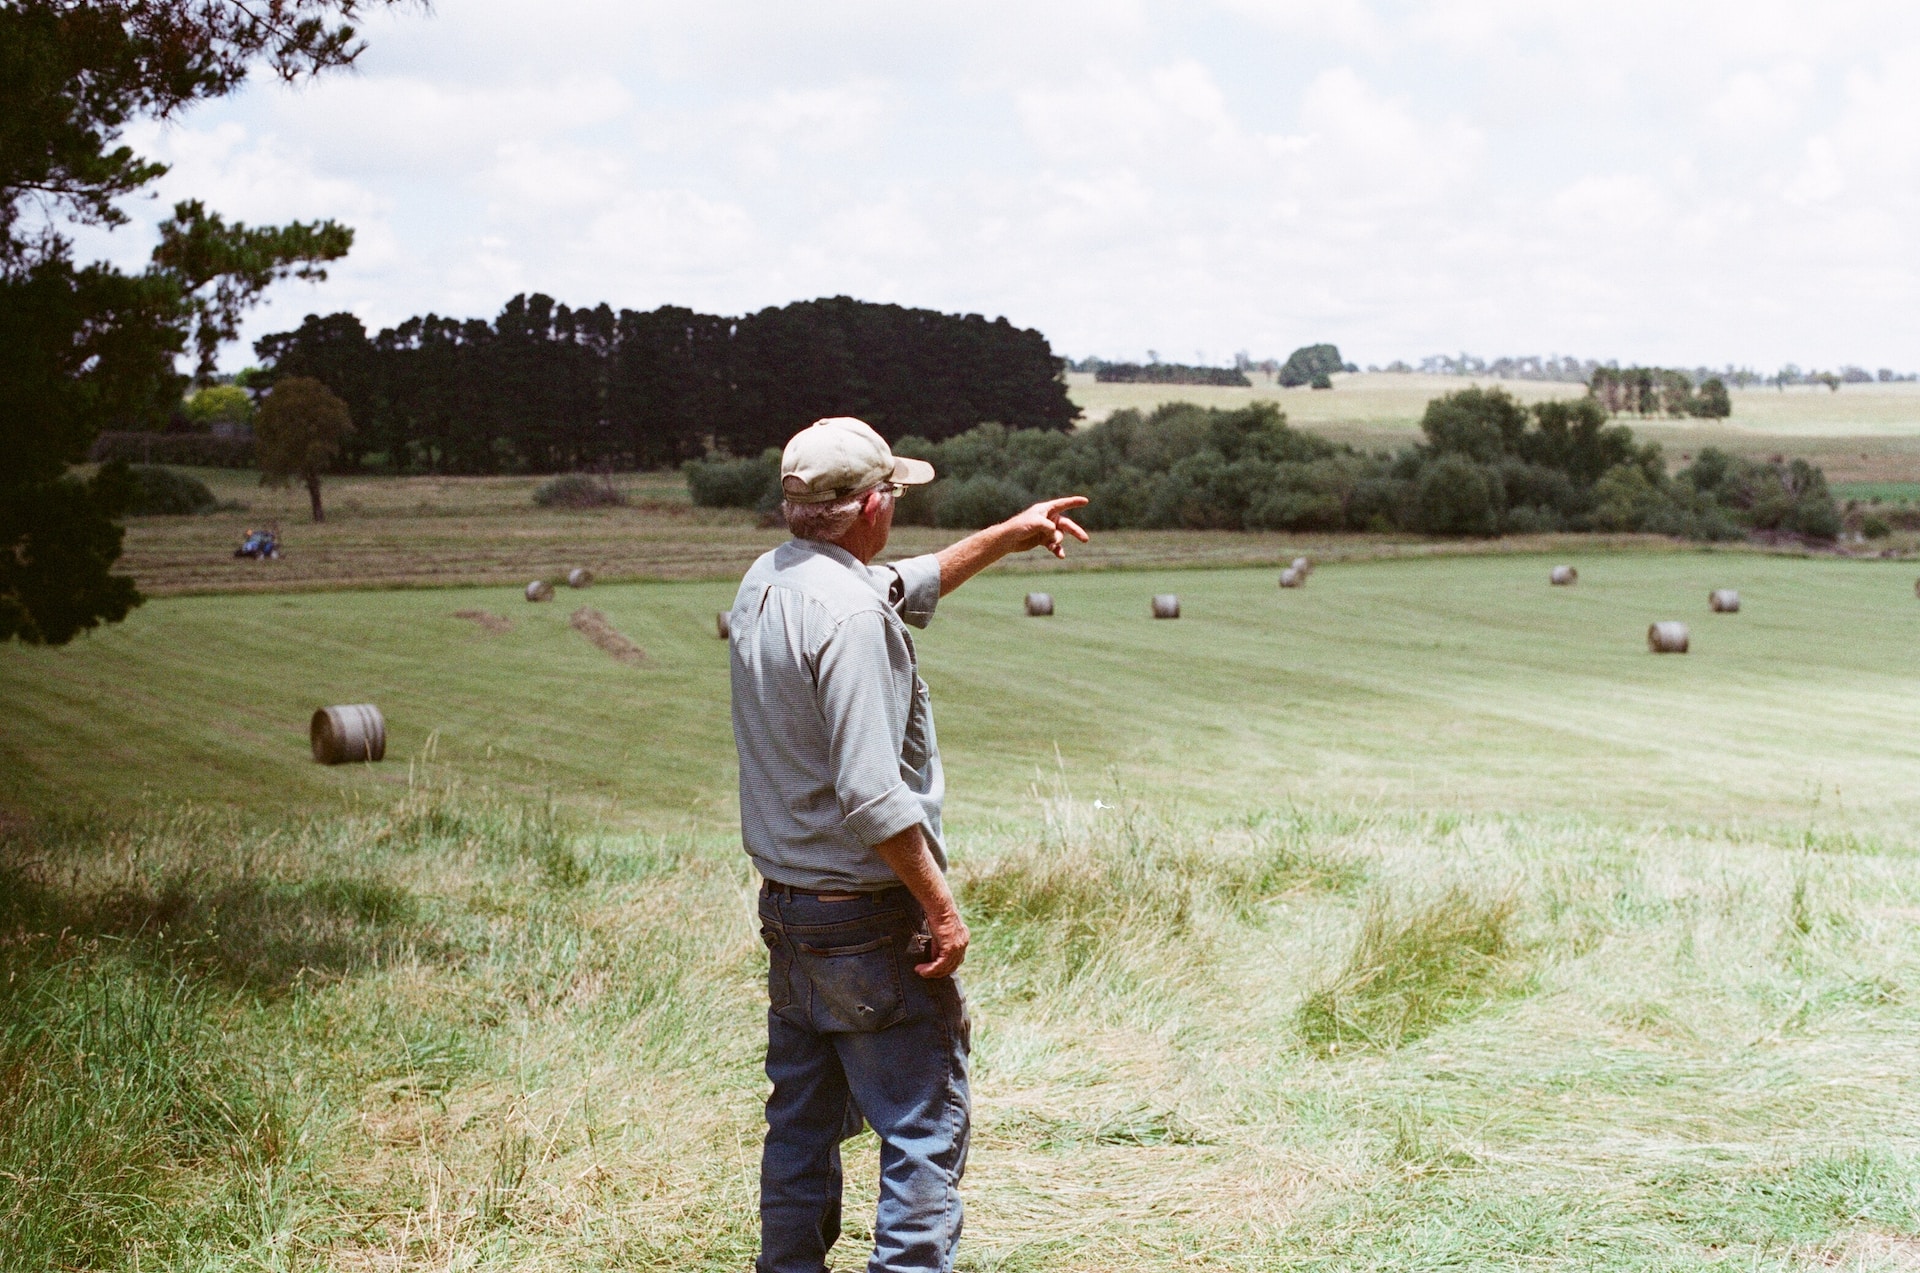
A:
578	490
58	542
1454	497
83	348
721	483
1308	363
1322	380
1711	401
298	433
981	500
1489	465
1774	495
192	450
547	388
162	492
1875	527
1169	373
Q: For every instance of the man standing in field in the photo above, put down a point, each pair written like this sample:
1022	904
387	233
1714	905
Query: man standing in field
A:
840	792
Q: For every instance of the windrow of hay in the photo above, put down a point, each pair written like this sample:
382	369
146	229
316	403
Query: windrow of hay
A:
1415	965
593	625
1128	897
487	621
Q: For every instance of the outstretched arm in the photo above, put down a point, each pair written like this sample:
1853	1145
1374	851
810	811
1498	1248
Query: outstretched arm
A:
1045	525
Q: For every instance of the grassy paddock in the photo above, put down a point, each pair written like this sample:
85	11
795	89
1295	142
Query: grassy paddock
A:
1414	919
1461	683
460	1032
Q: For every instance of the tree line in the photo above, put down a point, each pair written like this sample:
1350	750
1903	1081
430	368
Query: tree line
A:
549	388
1486	465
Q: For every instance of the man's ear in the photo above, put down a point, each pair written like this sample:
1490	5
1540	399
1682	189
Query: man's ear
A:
871	506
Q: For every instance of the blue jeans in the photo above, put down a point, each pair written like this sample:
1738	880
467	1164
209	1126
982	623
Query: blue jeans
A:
853	1032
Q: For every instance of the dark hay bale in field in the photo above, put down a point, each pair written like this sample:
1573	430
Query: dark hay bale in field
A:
1667	637
539	590
723	625
488	621
1166	606
579	577
1916	587
1563	576
1039	604
593	625
348	735
1724	601
1292	577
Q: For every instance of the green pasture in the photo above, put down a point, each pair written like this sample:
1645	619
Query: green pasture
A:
1464	684
1417	919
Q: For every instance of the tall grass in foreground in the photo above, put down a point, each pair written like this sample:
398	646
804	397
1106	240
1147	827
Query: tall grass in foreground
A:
461	1032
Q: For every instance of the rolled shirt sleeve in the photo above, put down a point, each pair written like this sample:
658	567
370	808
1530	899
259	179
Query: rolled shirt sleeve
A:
864	684
918	582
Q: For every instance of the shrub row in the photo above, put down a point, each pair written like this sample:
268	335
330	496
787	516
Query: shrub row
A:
1487	465
198	450
160	492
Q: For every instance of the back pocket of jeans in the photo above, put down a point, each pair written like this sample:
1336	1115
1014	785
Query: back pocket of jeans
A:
855	987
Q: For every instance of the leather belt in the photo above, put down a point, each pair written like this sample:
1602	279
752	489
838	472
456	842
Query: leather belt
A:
830	895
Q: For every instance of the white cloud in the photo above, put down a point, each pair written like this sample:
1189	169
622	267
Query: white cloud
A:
1640	179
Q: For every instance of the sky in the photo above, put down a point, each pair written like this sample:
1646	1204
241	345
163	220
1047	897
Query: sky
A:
1678	182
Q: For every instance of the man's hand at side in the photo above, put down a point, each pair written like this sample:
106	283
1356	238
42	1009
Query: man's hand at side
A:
1045	525
907	855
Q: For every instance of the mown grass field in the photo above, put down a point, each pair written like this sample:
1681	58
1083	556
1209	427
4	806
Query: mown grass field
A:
1415	919
1461	683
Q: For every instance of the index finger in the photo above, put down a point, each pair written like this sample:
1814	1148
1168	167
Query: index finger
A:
1055	507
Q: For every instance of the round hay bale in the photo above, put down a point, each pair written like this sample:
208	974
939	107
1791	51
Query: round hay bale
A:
1724	601
1302	565
723	625
348	735
1039	604
1563	576
1292	577
1667	637
1166	606
539	590
579	577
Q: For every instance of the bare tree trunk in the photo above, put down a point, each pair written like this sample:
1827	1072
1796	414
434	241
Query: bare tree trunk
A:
313	494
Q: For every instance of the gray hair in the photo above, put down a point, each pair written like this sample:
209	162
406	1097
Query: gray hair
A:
825	523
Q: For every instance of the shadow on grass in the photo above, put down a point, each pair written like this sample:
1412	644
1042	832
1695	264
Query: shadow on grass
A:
244	930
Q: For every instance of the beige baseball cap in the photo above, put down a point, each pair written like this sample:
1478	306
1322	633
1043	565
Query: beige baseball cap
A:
840	456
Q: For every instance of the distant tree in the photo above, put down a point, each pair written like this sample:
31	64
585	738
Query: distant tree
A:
1827	378
1308	361
1712	402
219	408
298	434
